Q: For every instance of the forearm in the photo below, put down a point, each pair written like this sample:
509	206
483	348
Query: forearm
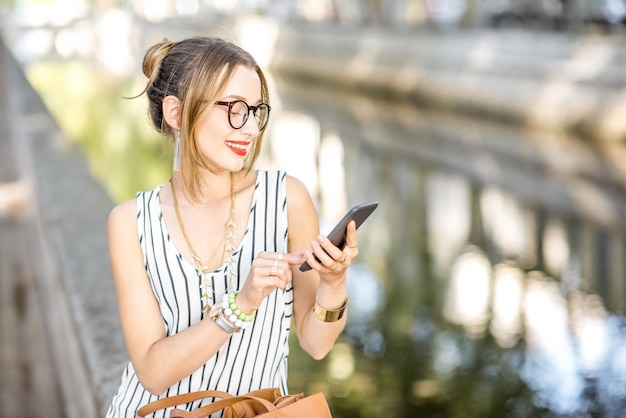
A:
317	336
171	359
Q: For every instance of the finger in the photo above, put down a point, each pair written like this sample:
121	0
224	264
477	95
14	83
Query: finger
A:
282	278
351	235
335	253
273	281
312	261
273	270
294	258
265	255
280	270
291	258
324	258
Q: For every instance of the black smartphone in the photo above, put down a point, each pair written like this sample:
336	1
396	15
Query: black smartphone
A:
337	236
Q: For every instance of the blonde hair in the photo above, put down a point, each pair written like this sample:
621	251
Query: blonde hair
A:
194	70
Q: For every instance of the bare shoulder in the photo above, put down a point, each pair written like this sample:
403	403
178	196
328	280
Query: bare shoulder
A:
122	216
124	247
303	222
298	196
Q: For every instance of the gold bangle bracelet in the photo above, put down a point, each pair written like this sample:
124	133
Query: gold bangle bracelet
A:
328	315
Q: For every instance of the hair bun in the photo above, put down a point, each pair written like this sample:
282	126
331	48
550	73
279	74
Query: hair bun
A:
154	56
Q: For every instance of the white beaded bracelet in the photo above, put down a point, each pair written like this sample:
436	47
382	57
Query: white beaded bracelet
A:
235	315
228	316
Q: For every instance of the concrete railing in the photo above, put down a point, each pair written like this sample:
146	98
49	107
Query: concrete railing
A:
67	224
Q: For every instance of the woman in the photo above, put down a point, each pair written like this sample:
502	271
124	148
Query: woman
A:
206	265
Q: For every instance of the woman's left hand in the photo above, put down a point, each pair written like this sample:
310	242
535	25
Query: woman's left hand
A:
333	261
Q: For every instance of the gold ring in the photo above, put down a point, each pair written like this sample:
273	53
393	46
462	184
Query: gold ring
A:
352	247
276	263
273	271
280	256
345	257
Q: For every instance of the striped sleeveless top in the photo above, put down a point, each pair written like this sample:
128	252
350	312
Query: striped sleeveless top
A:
252	359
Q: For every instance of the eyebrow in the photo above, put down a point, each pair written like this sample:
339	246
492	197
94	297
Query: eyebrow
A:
236	97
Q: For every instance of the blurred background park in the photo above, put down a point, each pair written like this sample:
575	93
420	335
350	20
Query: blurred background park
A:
491	280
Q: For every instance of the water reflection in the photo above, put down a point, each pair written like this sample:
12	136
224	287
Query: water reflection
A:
506	321
468	295
482	289
489	263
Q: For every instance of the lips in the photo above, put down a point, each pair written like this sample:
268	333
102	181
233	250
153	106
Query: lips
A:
238	147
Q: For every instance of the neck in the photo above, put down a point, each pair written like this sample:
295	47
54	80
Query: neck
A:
211	188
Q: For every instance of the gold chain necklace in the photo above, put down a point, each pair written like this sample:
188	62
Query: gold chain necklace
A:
229	248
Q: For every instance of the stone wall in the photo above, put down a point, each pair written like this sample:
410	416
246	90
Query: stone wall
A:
68	210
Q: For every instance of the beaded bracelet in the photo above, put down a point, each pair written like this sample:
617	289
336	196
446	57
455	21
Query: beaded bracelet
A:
234	314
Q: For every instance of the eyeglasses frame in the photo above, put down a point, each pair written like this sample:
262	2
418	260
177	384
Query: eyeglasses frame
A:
230	105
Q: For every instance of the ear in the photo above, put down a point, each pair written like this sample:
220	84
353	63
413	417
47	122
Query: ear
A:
171	111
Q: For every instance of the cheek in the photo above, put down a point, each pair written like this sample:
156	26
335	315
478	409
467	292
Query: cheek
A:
211	129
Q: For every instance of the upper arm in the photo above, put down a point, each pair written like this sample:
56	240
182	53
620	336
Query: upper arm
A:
303	228
139	310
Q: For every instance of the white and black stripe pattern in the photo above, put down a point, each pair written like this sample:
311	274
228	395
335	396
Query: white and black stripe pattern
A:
252	359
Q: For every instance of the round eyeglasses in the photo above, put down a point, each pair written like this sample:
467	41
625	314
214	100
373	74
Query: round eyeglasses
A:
238	112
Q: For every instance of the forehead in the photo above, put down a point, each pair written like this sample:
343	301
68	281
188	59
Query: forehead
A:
244	83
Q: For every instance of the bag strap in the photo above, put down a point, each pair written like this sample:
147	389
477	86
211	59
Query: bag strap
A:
179	400
288	399
219	405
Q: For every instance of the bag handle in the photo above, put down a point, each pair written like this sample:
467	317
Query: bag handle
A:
219	405
179	400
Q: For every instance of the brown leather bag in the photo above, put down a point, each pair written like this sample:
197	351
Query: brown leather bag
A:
267	402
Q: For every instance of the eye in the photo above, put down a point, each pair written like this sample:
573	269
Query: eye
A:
239	108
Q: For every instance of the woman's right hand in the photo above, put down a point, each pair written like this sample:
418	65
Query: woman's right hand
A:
268	272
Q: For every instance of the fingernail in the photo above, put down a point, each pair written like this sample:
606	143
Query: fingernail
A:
314	244
321	238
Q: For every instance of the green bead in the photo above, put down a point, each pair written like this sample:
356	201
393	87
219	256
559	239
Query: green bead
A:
233	306
242	316
237	311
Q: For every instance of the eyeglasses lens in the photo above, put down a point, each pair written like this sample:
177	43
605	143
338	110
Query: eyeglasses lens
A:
261	115
238	114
